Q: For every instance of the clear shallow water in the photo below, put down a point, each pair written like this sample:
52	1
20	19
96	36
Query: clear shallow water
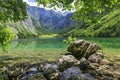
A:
37	44
40	44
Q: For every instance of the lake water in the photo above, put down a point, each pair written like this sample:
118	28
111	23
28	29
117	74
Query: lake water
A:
35	44
36	50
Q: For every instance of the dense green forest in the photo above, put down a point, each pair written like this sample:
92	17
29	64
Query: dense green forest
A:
107	26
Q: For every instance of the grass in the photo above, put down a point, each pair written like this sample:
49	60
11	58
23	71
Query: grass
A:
48	36
42	50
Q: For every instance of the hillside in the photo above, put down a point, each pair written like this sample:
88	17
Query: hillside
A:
107	26
28	28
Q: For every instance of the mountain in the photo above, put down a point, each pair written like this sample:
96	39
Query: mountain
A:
49	19
41	21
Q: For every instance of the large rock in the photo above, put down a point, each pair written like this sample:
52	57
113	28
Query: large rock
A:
67	61
80	48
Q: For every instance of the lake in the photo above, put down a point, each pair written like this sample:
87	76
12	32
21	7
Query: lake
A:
52	49
57	43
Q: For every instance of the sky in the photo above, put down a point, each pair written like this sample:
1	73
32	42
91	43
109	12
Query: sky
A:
33	3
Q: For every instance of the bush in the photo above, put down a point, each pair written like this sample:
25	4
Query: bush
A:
6	35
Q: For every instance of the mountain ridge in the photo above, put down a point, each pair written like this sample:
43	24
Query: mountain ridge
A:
41	21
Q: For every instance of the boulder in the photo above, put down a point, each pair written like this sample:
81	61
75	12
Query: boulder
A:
67	61
80	48
51	74
68	73
96	58
74	73
84	64
38	76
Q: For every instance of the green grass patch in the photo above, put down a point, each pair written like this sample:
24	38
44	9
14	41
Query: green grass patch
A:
48	36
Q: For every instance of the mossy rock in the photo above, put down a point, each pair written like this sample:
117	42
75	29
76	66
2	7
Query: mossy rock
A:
82	48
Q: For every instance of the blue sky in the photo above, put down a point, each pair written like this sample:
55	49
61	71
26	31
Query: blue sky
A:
32	0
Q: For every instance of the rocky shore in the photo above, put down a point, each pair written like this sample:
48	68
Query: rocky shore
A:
84	61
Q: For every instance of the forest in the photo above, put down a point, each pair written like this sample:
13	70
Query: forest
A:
59	40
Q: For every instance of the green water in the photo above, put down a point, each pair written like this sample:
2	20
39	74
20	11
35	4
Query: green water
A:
37	44
35	50
40	44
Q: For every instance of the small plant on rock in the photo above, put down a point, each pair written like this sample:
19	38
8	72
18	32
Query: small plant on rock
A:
69	40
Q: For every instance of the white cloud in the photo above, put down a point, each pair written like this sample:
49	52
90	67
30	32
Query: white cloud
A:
41	6
30	3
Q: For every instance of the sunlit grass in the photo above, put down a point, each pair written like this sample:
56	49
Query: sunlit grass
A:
48	36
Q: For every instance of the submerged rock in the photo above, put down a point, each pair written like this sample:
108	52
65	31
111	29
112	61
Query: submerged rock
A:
67	61
82	48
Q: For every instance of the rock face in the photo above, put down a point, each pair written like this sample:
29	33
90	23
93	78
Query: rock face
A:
67	61
82	48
